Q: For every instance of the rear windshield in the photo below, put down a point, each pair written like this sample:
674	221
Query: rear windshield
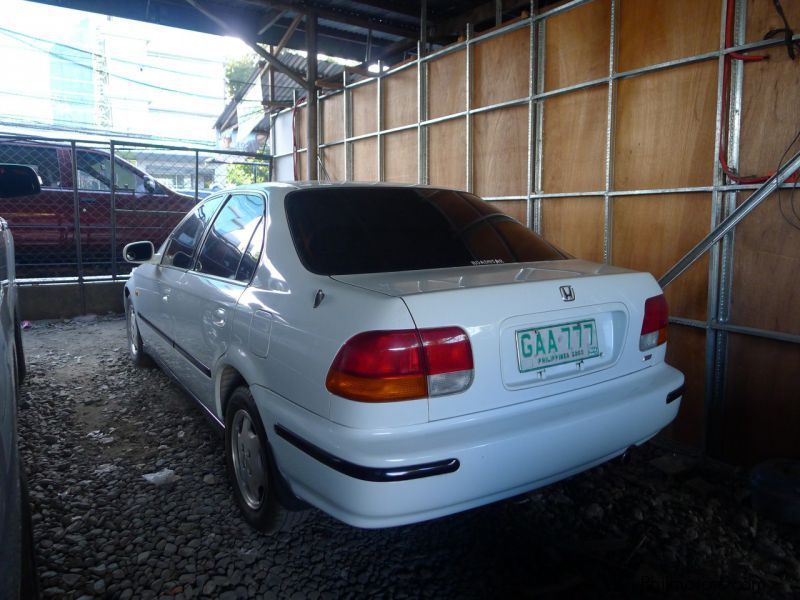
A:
343	231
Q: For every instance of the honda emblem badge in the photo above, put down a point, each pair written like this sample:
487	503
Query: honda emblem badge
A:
567	293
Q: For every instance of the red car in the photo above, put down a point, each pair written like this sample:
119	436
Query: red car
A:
44	226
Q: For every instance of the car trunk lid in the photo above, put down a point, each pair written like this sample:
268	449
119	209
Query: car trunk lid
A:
537	329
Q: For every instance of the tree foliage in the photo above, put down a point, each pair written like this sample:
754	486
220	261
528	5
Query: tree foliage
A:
248	171
237	72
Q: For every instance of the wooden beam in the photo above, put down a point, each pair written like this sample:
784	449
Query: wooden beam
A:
304	8
271	22
288	35
272	60
328	84
362	69
276	104
409	9
486	11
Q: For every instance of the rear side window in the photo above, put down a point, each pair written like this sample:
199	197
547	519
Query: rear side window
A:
247	267
42	160
183	241
229	235
341	231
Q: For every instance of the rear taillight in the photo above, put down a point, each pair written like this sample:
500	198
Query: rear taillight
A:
385	366
654	325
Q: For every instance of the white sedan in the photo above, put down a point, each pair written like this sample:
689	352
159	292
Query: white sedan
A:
391	354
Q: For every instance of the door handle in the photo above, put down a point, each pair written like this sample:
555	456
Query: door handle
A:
218	317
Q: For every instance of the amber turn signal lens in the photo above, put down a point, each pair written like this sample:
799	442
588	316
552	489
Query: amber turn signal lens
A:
385	389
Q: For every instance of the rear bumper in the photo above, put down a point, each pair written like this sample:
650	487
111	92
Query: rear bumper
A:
498	453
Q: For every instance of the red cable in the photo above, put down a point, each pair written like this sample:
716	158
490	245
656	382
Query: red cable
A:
726	77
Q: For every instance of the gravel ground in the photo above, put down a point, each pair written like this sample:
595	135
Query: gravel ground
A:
91	426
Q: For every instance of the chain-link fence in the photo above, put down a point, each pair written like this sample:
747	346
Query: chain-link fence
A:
98	196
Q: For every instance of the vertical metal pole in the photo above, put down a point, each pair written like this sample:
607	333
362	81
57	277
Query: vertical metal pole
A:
271	146
113	213
271	81
540	63
422	115
295	154
608	208
468	122
529	217
379	117
720	271
77	225
312	140
348	130
714	338
196	176
320	135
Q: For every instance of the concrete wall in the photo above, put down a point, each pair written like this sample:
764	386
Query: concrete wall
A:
62	301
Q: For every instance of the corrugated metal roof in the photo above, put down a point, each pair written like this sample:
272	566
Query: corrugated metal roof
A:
285	88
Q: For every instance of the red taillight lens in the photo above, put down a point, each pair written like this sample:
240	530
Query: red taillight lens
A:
654	325
379	353
385	366
447	349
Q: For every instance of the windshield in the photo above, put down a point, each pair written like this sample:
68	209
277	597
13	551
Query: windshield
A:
344	231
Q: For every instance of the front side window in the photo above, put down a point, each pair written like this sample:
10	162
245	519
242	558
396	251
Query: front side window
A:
128	179
342	231
94	173
230	235
42	160
182	244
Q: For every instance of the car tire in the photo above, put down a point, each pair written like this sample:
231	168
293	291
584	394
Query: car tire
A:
135	345
22	369
251	469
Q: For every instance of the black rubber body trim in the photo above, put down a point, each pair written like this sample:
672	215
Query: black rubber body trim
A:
675	394
220	426
368	473
195	363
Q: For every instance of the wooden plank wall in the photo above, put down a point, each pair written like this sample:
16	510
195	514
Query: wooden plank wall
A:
761	411
663	136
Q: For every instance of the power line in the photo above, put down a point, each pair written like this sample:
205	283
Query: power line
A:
71	128
117	76
141	65
11	32
93	104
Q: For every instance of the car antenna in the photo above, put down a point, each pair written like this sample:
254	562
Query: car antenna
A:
319	298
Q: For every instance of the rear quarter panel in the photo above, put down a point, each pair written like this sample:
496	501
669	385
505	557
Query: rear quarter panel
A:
280	341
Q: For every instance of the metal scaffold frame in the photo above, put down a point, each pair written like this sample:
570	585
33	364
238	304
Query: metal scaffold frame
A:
723	196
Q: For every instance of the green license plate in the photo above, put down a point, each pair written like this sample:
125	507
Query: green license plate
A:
542	347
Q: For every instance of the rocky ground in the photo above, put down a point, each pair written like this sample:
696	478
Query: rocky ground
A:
92	426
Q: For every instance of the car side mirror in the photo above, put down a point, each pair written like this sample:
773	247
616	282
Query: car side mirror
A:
150	185
138	252
18	180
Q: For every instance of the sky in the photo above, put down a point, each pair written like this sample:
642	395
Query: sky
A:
162	82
